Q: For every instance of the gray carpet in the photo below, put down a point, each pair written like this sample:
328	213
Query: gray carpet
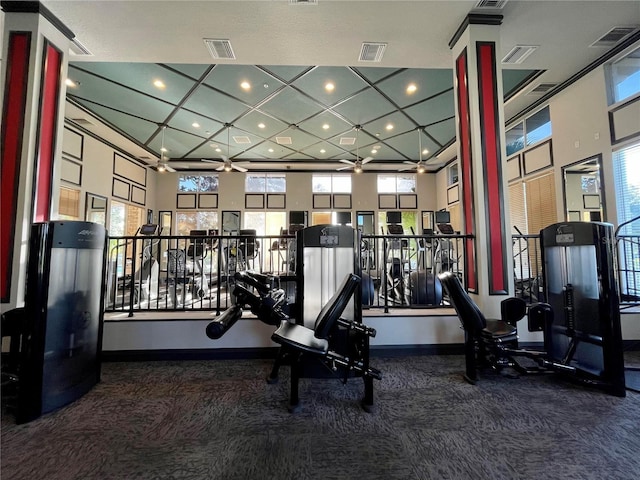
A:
221	420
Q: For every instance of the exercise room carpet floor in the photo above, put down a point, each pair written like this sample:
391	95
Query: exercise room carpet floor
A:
221	420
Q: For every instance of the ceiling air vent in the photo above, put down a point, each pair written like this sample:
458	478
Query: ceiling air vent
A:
613	36
83	122
347	141
303	2
491	4
241	140
220	49
542	88
372	52
519	53
77	48
283	140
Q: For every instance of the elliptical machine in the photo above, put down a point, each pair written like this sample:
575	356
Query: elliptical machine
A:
145	281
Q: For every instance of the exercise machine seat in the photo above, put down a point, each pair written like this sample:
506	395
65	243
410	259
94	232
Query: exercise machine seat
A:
301	338
316	341
499	329
470	315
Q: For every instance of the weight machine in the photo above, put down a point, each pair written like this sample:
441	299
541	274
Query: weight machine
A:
580	324
322	333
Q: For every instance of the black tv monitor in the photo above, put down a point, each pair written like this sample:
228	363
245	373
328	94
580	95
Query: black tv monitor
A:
443	216
343	218
395	229
394	217
297	217
149	229
197	233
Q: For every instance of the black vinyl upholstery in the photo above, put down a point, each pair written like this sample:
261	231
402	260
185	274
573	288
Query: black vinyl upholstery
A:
316	340
468	312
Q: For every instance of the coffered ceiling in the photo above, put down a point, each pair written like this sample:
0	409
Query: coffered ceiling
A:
285	118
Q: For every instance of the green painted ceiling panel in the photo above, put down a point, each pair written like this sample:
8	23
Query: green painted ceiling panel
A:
364	107
140	77
285	73
191	70
177	143
429	82
213	104
251	121
375	74
314	125
291	106
399	122
229	77
345	82
444	131
119	98
135	128
433	110
511	79
184	120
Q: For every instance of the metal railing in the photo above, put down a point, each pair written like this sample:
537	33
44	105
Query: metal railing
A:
628	253
527	268
188	273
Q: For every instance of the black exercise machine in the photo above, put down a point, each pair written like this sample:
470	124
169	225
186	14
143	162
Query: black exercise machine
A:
320	335
581	322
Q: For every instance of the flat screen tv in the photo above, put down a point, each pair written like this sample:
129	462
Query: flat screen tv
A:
394	217
443	217
343	218
297	217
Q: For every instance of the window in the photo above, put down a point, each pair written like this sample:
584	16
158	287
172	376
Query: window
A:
626	173
533	129
453	174
537	127
192	220
265	182
409	222
198	183
624	77
331	183
401	183
69	205
265	223
124	219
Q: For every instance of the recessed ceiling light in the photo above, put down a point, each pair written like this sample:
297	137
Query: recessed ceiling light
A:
218	150
271	150
265	85
374	151
214	145
329	87
325	126
261	125
389	126
195	125
245	85
164	150
323	151
377	134
159	84
425	151
70	83
411	88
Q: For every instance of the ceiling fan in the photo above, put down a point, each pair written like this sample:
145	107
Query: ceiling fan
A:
418	166
357	165
227	165
161	165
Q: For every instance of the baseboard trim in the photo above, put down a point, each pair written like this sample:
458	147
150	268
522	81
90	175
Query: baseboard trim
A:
271	352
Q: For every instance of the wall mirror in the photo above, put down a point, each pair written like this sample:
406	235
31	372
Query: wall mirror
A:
583	190
95	209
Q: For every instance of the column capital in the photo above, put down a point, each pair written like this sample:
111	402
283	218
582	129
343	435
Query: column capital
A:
37	7
474	19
